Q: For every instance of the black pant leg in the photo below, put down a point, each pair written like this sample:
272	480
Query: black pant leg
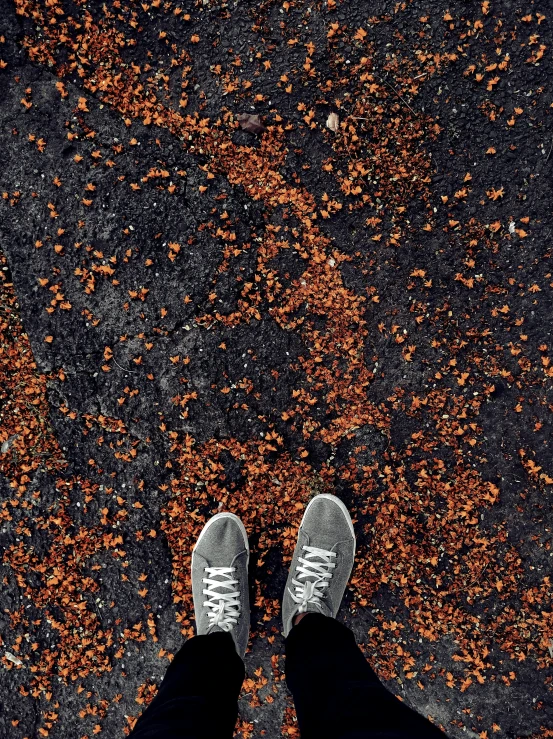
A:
336	693
198	697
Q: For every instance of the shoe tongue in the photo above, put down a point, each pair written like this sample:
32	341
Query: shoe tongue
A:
322	607
324	604
220	577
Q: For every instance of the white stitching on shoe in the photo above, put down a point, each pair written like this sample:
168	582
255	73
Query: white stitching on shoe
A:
224	607
311	591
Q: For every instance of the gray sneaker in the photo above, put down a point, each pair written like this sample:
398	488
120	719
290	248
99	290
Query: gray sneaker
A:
220	579
322	561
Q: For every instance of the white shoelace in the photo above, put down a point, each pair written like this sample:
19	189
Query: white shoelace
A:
311	591
224	607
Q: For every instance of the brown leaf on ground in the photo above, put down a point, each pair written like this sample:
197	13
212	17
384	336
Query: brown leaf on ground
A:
250	123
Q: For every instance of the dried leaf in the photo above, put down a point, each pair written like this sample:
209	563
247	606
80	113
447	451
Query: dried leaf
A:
250	123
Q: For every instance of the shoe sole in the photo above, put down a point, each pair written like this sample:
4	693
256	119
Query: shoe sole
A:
341	506
217	517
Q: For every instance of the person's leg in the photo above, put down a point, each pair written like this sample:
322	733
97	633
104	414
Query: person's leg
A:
198	698
336	693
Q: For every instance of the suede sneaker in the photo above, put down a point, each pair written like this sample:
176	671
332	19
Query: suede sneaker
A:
220	579
322	561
